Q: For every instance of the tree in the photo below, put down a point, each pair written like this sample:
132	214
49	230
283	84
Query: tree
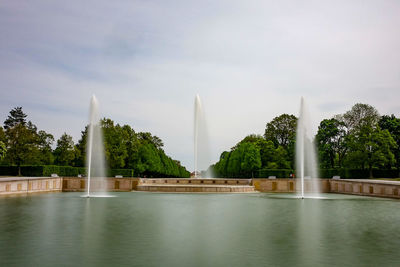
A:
16	117
392	124
3	147
370	148
44	143
3	150
330	139
147	137
80	149
132	146
21	139
251	159
65	150
360	115
2	135
281	130
114	143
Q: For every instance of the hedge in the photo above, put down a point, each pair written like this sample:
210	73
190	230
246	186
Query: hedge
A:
48	170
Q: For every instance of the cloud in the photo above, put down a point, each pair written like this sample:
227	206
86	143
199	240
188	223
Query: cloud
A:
146	60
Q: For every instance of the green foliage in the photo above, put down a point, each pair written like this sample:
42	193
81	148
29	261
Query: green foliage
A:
370	147
3	150
331	139
392	124
115	145
16	117
65	150
44	143
125	150
282	130
24	143
360	116
242	161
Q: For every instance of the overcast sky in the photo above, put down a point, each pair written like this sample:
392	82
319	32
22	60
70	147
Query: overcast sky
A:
145	61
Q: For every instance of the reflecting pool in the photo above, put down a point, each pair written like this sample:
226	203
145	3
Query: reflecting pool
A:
159	229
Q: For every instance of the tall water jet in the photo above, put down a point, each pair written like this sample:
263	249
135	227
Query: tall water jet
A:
95	162
306	160
201	146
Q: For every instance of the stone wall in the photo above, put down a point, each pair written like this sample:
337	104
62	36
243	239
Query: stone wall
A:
27	185
374	188
73	184
284	185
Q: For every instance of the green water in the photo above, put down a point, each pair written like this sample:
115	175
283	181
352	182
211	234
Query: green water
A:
149	229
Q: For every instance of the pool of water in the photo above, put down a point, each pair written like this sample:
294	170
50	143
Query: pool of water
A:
151	229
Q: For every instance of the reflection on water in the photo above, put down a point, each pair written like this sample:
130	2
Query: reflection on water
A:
198	230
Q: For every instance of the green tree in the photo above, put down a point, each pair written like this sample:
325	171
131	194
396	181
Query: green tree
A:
80	149
392	124
3	150
251	159
16	117
44	143
370	147
132	146
21	139
281	130
147	137
330	139
267	151
115	144
65	151
360	115
2	135
3	147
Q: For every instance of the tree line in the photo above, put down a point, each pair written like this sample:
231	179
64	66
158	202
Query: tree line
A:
21	143
358	139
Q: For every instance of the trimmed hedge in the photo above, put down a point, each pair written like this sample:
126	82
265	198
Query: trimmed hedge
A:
48	170
8	170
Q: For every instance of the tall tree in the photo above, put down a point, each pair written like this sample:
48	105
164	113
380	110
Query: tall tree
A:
44	143
281	130
65	150
16	117
330	139
251	159
3	150
392	124
370	148
360	115
115	145
21	139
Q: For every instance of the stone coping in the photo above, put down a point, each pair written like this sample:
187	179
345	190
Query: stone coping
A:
196	185
10	179
371	181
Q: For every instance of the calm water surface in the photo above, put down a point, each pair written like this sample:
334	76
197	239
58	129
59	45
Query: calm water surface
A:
150	229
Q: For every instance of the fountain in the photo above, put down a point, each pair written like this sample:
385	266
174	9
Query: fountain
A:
95	162
306	160
201	146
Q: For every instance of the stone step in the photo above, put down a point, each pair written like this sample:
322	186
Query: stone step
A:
196	181
190	188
